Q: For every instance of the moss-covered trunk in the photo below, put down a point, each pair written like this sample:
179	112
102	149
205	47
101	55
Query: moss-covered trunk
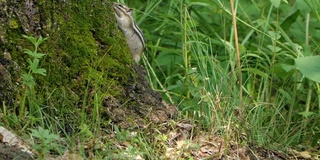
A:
87	61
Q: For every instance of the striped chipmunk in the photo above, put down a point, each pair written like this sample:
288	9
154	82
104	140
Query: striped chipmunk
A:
131	31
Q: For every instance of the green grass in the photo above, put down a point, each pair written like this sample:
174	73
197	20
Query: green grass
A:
192	61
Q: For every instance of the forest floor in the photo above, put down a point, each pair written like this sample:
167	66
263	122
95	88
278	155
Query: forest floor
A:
180	144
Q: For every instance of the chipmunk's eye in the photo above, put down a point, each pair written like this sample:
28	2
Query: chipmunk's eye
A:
121	6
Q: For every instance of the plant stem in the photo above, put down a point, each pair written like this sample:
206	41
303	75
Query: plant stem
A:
237	50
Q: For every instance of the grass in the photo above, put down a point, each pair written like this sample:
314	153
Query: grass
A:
192	54
191	58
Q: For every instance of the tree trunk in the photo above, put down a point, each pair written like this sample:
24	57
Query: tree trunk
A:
87	64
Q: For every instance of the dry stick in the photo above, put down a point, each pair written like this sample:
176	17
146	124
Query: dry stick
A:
237	50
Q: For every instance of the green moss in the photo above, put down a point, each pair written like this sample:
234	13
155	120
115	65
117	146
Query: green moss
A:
85	53
13	24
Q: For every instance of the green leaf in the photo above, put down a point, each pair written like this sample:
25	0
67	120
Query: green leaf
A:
285	94
280	71
309	67
31	39
256	71
44	135
40	40
287	67
39	55
306	114
28	80
274	48
36	42
275	3
303	6
285	25
33	54
30	62
29	52
40	71
274	35
34	65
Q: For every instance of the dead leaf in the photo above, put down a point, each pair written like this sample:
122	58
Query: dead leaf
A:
303	154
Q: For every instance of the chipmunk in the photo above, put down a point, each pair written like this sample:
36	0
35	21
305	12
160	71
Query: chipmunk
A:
131	31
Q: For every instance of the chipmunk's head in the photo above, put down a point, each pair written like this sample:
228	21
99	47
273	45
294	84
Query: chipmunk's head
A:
121	10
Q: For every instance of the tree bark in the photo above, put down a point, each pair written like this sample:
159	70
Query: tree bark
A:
87	63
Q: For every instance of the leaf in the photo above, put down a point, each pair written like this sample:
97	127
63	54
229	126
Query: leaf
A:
40	71
28	80
40	40
309	67
285	94
274	48
39	55
44	135
303	154
285	25
29	61
256	71
31	39
171	87
275	3
33	54
36	42
274	35
34	65
303	6
306	114
287	67
283	70
29	52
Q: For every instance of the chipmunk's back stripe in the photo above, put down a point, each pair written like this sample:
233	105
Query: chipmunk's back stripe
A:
139	32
